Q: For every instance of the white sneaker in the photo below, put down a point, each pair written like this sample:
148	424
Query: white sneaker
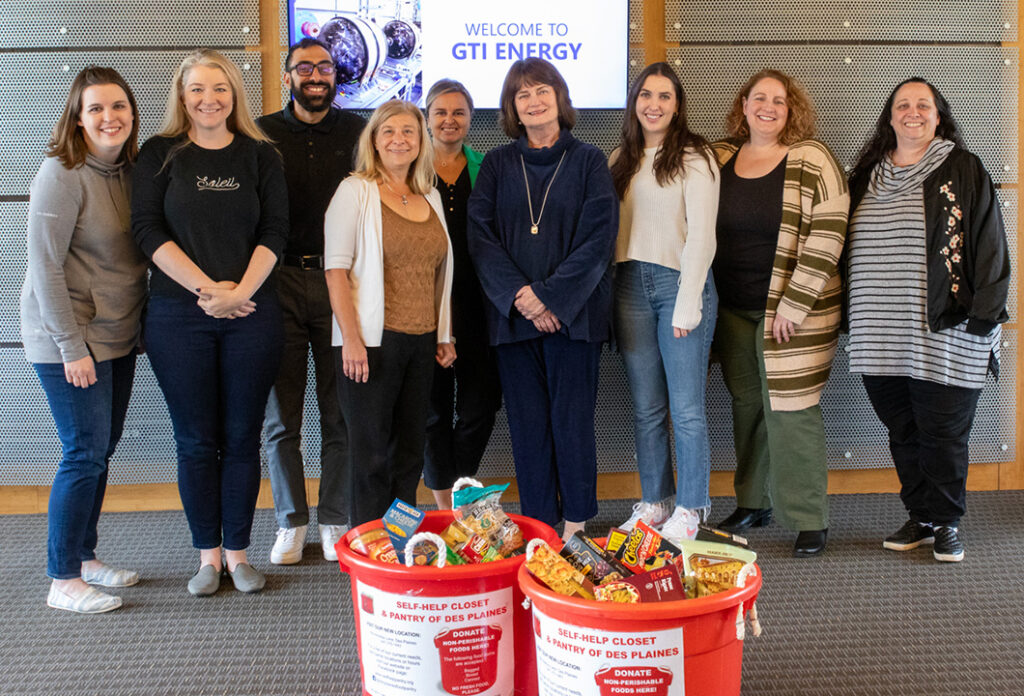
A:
681	525
288	546
653	514
329	535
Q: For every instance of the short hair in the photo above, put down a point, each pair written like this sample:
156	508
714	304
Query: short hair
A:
447	86
176	119
306	42
526	73
800	121
368	164
67	143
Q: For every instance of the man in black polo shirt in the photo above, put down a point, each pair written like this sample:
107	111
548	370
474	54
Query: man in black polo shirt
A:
317	142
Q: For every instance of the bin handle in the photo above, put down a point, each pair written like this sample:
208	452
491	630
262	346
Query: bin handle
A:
462	483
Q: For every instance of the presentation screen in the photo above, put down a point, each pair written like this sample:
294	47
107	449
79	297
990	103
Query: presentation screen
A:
396	50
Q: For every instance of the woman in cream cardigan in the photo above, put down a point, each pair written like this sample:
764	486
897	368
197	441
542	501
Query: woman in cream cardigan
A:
781	227
388	262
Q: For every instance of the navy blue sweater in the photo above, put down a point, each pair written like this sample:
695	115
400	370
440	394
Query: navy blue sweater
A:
568	264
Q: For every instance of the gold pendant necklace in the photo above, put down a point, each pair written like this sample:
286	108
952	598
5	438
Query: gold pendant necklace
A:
535	224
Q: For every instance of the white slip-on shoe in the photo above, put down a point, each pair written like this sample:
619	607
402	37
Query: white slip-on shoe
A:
92	601
108	576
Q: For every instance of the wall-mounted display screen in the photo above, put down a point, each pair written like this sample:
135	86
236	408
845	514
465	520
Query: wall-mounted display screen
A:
388	49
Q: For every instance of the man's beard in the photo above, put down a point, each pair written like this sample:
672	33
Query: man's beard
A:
314	104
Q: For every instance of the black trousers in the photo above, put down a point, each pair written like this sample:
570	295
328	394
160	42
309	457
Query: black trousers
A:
929	425
386	418
463	402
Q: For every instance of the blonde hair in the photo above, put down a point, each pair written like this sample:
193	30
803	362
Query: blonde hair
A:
799	123
176	120
368	165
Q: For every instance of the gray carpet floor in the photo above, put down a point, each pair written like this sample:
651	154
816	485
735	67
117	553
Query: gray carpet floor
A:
856	621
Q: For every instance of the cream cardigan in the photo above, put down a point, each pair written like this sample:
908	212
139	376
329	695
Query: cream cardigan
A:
353	241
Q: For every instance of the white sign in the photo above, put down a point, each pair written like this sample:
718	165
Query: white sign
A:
476	42
576	661
448	646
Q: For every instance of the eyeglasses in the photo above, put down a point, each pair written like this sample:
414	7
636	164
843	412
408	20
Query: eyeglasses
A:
305	68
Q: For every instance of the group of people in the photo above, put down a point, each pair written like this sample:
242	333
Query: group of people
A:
431	282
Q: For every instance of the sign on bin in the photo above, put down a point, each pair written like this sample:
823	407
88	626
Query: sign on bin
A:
436	645
577	660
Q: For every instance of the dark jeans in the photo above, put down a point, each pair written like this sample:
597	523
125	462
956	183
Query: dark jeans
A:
463	403
387	417
89	424
550	387
929	425
306	316
215	375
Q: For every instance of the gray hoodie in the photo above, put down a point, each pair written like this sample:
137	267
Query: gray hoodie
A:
85	285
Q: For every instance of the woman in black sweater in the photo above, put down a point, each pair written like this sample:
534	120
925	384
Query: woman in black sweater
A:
211	210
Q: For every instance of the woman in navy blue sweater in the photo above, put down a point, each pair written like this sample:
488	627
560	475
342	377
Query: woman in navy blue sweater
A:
542	224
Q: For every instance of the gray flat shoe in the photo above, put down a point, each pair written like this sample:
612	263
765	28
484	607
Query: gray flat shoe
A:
247	578
205	582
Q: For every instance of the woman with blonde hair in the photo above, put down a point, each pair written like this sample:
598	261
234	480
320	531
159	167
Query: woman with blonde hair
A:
211	211
388	263
781	226
85	286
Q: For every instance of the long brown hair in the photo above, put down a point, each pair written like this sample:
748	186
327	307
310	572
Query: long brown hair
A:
67	143
668	162
799	123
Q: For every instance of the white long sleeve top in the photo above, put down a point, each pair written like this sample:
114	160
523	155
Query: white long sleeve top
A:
673	226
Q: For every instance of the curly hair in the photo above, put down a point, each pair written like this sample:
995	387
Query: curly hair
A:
801	120
883	140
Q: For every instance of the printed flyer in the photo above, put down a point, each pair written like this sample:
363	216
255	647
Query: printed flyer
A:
577	661
457	646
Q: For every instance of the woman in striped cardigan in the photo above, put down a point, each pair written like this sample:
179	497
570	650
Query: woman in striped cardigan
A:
781	226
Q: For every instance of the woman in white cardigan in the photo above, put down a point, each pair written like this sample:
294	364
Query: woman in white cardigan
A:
388	262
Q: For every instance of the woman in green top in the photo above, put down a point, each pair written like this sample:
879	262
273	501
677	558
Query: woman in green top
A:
460	421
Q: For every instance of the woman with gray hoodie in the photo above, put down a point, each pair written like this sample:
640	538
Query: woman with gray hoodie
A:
84	290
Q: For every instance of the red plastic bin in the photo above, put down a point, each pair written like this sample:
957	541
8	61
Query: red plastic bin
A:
454	631
606	649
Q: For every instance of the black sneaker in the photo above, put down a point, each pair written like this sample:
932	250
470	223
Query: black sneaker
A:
911	535
947	545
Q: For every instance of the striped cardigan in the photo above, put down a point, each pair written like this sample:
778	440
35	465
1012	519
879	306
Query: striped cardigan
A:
805	286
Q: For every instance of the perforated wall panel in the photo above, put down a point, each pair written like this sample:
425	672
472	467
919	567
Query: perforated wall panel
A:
1008	204
636	21
129	23
12	267
637	62
708	21
33	87
849	86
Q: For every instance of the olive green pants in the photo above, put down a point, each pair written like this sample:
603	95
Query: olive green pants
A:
780	455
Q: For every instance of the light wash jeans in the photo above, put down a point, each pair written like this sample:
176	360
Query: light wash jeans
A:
667	379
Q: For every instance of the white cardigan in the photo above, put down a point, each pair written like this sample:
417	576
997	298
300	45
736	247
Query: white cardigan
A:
353	241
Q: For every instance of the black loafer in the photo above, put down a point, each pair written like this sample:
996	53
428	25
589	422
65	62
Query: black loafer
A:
745	518
810	543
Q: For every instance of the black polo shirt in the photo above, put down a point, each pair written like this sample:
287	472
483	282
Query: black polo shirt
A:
316	158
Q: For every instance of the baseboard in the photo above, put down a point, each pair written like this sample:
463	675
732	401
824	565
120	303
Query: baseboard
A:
22	500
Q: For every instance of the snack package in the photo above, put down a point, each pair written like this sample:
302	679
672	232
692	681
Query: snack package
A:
588	558
478	507
425	548
716	567
709	533
402	520
661	585
554	571
616	537
467	544
645	549
375	543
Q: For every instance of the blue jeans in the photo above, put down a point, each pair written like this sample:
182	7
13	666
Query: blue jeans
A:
667	379
89	424
216	375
